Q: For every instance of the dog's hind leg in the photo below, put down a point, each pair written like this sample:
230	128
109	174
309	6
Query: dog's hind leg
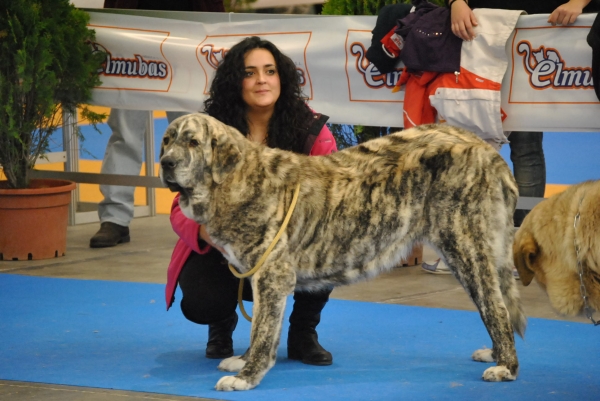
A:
512	302
512	298
473	264
271	286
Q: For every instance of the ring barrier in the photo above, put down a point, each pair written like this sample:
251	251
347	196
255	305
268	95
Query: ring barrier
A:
165	60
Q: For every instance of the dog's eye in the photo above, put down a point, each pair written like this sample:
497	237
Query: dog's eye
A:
194	143
166	140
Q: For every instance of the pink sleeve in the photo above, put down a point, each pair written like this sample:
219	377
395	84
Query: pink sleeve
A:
324	144
186	229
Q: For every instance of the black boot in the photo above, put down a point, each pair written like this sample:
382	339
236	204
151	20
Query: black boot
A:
220	343
303	341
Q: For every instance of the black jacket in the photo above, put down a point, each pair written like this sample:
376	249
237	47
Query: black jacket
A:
386	20
593	40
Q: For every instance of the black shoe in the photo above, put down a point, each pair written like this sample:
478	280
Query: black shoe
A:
305	347
220	343
110	234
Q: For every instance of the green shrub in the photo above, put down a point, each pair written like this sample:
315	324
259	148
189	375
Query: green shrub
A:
47	65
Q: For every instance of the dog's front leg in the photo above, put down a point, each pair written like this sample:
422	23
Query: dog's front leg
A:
271	286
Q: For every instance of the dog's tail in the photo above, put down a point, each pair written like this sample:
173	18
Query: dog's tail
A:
512	300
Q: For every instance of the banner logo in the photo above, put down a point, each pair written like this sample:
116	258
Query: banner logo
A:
371	75
213	56
363	77
134	60
547	69
136	67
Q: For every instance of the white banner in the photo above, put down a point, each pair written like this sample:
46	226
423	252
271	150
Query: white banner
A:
167	64
548	84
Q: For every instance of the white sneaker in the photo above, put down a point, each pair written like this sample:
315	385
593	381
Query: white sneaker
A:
436	267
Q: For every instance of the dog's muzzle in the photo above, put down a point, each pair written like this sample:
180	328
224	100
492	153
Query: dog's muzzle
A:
168	165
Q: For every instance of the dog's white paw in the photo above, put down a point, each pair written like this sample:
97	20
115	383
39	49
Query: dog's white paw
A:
498	374
483	355
232	383
232	364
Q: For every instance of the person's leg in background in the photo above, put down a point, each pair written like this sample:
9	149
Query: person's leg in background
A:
529	167
124	155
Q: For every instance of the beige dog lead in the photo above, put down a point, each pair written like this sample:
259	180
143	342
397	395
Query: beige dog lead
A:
262	259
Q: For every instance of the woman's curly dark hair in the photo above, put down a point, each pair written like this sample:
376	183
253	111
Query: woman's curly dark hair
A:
291	117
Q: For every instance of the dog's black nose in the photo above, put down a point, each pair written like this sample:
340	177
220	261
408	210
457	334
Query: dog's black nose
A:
168	162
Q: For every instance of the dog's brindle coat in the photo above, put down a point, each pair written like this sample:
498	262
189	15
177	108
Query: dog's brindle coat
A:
359	213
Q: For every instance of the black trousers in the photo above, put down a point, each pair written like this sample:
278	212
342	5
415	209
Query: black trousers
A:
210	290
529	167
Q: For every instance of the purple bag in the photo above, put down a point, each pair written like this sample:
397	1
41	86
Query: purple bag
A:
429	44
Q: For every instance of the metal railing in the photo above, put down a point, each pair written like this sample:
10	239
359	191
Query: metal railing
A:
71	158
72	173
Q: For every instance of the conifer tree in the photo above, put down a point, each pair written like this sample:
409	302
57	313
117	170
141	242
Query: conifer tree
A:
356	7
47	65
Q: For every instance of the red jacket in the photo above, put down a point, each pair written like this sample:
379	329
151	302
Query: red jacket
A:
187	229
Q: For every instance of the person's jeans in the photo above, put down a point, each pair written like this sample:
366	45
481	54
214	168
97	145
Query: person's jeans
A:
529	167
124	155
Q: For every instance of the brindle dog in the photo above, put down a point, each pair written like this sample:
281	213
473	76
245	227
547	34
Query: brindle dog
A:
359	212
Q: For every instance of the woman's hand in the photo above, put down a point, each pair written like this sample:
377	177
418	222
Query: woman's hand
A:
567	13
462	20
206	238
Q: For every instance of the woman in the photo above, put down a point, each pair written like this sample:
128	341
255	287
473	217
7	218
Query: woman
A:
256	90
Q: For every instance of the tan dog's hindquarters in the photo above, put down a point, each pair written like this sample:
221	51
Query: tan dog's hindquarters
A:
545	247
359	212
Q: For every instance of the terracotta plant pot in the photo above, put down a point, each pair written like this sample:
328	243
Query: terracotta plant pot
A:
33	221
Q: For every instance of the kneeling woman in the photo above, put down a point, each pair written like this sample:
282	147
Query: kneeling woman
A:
256	89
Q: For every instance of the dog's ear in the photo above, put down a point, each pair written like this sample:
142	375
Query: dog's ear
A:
226	153
525	250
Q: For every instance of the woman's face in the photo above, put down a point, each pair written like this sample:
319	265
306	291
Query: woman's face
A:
261	86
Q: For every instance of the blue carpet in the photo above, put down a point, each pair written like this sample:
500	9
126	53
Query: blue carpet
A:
117	335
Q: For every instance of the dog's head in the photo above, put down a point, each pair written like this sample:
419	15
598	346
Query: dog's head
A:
197	151
544	249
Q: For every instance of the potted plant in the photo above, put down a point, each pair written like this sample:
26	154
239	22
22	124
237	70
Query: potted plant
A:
47	65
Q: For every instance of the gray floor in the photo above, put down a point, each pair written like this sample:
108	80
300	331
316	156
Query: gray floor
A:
145	260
